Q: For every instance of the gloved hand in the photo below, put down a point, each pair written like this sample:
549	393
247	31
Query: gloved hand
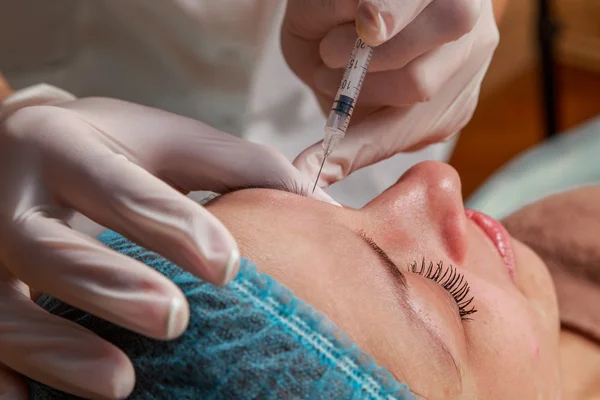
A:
123	166
423	82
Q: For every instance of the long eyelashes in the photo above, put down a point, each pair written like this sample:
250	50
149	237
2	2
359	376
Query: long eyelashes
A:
450	279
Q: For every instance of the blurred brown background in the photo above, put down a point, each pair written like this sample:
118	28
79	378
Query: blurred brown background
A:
4	88
509	118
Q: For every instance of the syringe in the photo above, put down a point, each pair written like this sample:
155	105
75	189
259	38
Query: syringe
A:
345	99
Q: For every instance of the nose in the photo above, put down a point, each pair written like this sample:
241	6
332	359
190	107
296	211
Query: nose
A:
425	205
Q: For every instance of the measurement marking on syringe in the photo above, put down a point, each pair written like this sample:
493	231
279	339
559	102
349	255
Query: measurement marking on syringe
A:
339	117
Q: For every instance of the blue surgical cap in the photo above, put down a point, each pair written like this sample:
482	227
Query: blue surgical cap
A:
252	339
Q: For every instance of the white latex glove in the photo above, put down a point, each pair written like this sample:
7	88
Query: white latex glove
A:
123	166
423	82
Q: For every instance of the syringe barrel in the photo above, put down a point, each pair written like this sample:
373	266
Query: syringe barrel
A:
347	94
339	114
332	138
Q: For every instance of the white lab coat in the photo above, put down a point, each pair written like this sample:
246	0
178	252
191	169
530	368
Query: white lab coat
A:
218	61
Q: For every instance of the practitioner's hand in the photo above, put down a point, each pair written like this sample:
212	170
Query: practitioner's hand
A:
423	82
124	166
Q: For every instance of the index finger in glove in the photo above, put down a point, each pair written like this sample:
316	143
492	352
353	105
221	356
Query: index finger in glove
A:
237	164
82	272
188	154
57	352
85	174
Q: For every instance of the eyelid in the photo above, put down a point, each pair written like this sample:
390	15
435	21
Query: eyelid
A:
452	281
454	284
385	258
401	280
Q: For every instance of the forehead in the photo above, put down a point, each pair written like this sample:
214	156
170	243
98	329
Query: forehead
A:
260	213
293	237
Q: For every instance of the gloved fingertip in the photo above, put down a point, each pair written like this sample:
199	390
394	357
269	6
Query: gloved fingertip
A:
372	25
122	385
178	318
309	161
217	256
223	267
319	194
450	137
232	266
309	164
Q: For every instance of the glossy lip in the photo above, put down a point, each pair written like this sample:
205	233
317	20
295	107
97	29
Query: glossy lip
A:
498	235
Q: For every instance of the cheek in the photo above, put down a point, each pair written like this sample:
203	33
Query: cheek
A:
432	303
535	282
507	320
510	340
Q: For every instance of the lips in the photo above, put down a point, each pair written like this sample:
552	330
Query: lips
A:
498	235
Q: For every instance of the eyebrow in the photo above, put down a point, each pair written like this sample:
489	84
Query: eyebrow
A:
400	280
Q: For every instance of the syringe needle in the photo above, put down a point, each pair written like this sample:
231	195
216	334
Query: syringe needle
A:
319	174
345	99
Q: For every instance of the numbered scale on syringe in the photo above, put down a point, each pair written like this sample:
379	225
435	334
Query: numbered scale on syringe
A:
352	82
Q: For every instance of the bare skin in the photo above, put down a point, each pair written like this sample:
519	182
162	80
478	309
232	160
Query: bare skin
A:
580	367
317	251
313	248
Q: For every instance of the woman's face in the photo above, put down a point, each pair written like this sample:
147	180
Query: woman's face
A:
369	271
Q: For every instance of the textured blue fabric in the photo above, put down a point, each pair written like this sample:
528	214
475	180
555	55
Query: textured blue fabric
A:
249	340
